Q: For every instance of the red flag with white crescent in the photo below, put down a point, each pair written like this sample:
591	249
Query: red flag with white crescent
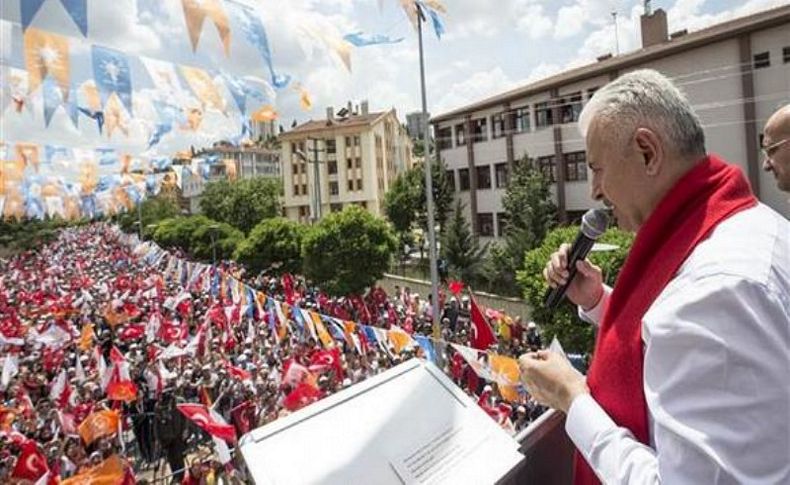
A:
31	464
200	415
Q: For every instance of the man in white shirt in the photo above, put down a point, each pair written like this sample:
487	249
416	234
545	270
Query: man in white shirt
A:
712	338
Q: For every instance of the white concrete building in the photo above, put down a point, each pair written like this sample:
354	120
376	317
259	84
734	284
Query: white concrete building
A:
359	155
735	75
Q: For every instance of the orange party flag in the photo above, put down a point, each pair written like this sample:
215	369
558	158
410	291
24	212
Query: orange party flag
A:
320	329
28	155
203	86
196	11
506	374
265	113
399	338
86	337
109	472
47	54
98	424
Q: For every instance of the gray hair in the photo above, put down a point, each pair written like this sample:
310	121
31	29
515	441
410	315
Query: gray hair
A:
646	98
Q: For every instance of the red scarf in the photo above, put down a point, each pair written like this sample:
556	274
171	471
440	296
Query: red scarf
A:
709	193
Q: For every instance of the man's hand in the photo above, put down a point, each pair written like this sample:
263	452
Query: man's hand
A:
551	379
586	288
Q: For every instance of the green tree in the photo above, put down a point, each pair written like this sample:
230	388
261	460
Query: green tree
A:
276	242
242	203
564	323
176	232
218	236
443	195
461	250
152	211
348	251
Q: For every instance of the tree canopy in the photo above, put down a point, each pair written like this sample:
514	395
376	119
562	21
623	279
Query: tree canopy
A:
274	244
242	203
348	251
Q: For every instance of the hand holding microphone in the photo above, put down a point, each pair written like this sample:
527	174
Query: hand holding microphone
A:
569	274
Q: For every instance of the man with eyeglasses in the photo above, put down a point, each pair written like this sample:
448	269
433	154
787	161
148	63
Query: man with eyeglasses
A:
776	147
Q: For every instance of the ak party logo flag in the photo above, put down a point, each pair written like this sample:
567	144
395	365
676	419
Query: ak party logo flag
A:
255	33
77	10
112	75
47	54
195	13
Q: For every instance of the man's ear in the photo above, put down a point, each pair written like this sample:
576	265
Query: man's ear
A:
649	147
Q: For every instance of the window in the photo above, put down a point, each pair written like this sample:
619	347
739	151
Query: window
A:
451	179
359	162
335	207
348	141
548	166
786	55
522	123
570	110
331	147
359	184
543	115
445	138
349	163
460	134
295	168
485	224
762	60
331	167
479	130
591	92
304	211
483	177
350	186
501	174
296	191
575	166
356	140
498	125
304	189
463	178
334	188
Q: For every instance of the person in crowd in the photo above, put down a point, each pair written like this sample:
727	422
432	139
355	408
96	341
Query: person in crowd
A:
776	147
691	358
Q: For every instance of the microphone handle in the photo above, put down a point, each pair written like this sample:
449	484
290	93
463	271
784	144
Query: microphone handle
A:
581	247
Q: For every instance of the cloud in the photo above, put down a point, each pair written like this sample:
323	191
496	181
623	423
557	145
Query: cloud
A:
533	21
478	86
570	21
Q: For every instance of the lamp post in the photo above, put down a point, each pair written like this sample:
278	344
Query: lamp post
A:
437	331
213	232
316	177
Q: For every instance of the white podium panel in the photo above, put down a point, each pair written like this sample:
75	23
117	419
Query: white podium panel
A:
408	425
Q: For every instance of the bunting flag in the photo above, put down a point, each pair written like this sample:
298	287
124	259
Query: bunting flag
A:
47	54
265	114
195	13
399	338
28	155
433	7
98	424
254	31
203	86
112	75
77	9
506	374
305	100
358	39
320	329
52	99
427	346
163	75
114	118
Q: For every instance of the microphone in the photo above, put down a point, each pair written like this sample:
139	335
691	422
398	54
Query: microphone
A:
594	224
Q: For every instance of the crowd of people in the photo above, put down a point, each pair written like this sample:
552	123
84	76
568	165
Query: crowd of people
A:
106	361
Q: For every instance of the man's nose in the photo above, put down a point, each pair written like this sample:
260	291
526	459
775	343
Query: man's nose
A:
767	164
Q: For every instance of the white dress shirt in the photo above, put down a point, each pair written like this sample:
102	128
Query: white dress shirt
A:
716	368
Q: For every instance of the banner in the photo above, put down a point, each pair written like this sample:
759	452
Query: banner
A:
195	13
112	75
47	54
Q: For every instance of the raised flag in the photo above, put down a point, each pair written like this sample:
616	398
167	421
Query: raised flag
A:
399	338
482	334
111	471
320	329
301	396
200	415
99	424
506	374
427	347
31	463
237	372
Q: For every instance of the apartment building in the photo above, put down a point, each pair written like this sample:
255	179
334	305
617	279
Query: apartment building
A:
350	157
735	74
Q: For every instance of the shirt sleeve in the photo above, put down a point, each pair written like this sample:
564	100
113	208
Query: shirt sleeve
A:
595	314
715	373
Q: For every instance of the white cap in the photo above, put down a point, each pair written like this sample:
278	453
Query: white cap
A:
531	325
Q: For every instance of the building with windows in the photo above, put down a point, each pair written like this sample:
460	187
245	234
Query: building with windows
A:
735	75
350	157
416	124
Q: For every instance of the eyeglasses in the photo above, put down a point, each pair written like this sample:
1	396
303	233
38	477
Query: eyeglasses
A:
771	150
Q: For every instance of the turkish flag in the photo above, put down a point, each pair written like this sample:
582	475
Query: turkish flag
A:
237	372
301	396
324	360
200	415
120	390
243	416
31	464
482	335
171	333
132	332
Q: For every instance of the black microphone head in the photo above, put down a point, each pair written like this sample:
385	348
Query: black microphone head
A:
594	223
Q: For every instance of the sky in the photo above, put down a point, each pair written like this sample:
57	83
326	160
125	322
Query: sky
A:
489	46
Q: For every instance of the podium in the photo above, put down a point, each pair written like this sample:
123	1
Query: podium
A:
408	425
